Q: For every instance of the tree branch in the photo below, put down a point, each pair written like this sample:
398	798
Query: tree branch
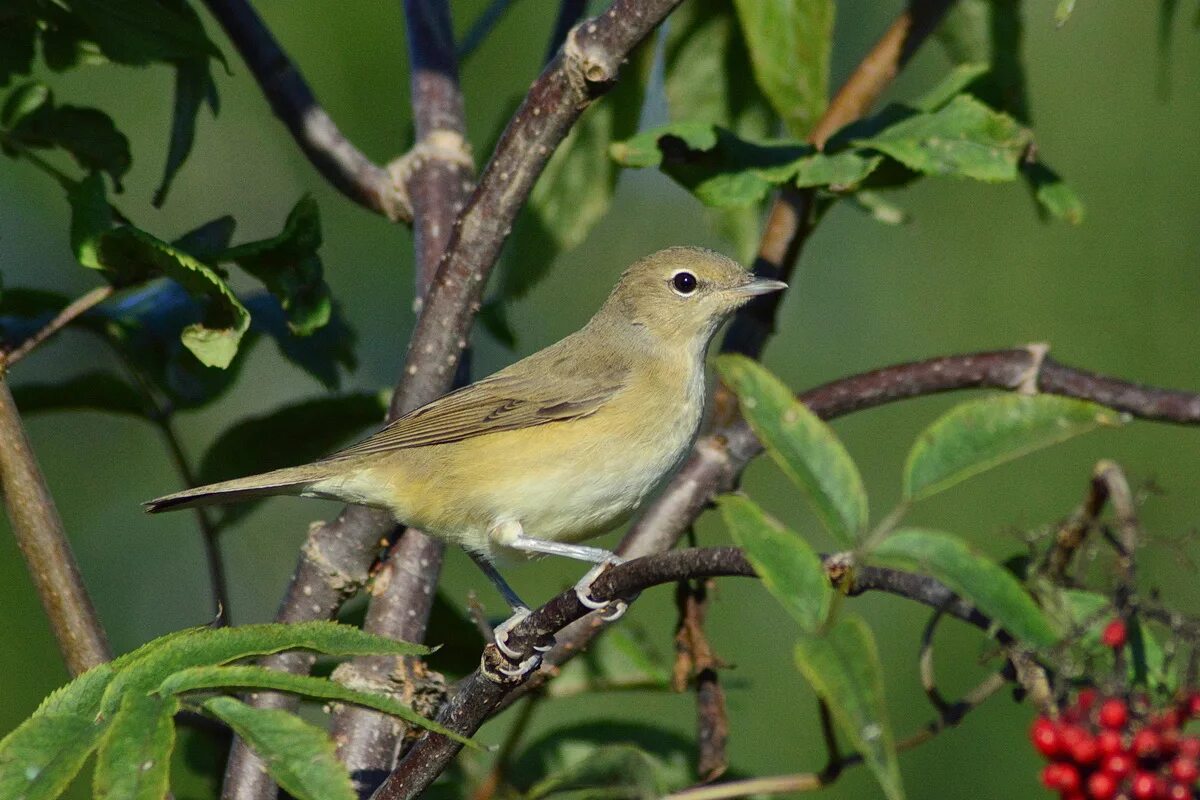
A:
43	542
327	149
403	590
61	320
482	692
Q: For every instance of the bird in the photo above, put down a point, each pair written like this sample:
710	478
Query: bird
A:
552	450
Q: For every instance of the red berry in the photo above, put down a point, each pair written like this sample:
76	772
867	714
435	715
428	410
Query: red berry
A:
1147	786
1184	770
1044	735
1146	743
1113	713
1061	777
1070	735
1118	765
1169	741
1114	634
1085	700
1189	747
1085	750
1101	786
1111	742
1167	719
1177	791
1193	704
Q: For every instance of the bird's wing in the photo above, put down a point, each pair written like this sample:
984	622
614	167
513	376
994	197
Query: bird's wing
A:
503	402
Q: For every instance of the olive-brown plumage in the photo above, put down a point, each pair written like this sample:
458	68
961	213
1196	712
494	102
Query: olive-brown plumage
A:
555	448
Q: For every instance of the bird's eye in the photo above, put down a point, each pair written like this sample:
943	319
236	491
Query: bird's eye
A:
683	282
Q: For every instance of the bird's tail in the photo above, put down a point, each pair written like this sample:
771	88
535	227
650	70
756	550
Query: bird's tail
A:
292	480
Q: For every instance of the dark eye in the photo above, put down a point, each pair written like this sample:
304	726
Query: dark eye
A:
684	282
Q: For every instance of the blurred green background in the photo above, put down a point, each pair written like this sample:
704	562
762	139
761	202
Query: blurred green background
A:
973	269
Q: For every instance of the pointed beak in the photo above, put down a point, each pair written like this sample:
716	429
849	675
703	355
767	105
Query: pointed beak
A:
758	286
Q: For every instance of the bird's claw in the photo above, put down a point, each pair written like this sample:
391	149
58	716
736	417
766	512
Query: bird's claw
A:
523	668
615	609
501	631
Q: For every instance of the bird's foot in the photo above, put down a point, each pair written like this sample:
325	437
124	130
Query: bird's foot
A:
519	664
614	609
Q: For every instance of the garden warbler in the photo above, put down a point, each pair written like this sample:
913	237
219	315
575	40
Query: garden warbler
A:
556	448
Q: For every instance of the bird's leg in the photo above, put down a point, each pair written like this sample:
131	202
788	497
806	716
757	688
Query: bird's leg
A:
520	610
511	534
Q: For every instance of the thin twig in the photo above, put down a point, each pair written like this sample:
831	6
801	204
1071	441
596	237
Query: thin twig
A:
61	320
481	693
341	163
810	781
209	533
1073	532
43	542
695	663
927	667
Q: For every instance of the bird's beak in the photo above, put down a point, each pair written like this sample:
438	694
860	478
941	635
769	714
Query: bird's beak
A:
757	286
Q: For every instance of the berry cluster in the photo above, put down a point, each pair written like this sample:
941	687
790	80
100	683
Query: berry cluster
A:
1113	748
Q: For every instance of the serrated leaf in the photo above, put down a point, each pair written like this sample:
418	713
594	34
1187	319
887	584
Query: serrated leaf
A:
725	171
785	563
964	139
299	756
977	435
804	447
134	759
40	758
985	584
789	43
290	269
81	696
252	677
193	87
844	670
576	188
200	647
132	254
91	391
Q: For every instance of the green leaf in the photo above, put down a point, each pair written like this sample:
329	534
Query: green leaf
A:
804	447
209	240
708	76
91	391
18	33
39	759
81	696
200	647
977	435
138	32
613	771
725	171
134	759
965	139
1084	614
789	43
193	87
788	567
91	217
132	253
844	670
252	677
34	121
989	32
576	188
299	756
290	269
1054	196
988	586
955	82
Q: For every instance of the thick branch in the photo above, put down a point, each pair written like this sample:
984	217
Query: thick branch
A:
43	542
333	155
584	69
403	591
481	693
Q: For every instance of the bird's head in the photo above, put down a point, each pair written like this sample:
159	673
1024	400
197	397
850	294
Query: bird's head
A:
684	292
